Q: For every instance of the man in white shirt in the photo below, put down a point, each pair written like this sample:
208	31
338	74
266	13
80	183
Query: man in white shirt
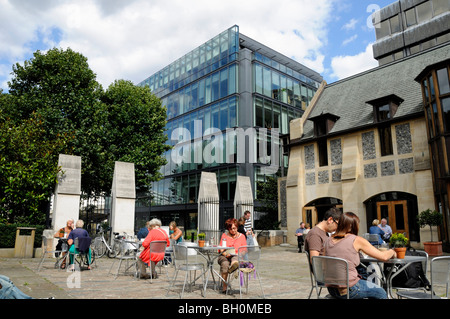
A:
386	228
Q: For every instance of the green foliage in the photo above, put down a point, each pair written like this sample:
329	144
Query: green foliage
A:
8	234
28	168
398	240
201	236
267	194
55	105
430	218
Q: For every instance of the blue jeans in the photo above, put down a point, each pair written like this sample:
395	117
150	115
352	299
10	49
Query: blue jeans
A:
362	289
10	291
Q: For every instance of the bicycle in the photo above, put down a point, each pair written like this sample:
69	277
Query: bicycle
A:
101	247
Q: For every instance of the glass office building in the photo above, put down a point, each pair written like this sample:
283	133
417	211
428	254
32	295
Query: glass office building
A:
230	82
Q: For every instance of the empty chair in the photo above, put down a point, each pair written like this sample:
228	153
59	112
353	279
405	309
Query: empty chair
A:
248	268
440	280
183	261
330	271
48	249
128	250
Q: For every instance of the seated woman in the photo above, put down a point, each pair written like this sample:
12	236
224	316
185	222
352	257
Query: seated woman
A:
228	260
155	234
78	232
346	244
375	229
175	233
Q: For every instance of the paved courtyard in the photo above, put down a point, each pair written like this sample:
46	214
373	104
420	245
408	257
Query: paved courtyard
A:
284	275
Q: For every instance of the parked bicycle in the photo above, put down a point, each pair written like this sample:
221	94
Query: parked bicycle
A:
101	246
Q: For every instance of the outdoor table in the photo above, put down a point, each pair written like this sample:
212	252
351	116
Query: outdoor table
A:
210	253
405	262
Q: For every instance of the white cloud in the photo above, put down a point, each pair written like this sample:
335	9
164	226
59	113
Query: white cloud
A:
349	40
133	39
351	25
345	66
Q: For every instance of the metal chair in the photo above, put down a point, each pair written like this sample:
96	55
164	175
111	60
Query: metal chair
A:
440	280
330	271
315	285
156	247
81	254
48	249
184	262
248	263
128	250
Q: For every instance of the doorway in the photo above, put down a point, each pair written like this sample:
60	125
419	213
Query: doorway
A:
314	211
396	214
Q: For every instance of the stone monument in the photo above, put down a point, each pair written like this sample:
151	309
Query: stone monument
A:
208	206
123	195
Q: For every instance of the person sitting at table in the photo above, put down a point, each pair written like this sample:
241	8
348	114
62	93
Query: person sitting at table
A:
143	232
78	232
345	243
155	233
62	235
228	260
386	229
376	230
175	233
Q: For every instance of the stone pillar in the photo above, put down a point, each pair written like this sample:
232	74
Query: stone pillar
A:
123	195
243	198
208	206
66	203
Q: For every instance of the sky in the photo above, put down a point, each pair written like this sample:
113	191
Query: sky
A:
133	39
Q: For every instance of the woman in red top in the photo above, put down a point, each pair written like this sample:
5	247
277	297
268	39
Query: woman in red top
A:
155	233
228	261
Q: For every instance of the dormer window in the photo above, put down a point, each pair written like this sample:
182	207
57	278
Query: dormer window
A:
384	108
323	123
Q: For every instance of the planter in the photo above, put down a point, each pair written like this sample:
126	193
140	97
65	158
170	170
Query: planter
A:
401	251
201	243
433	248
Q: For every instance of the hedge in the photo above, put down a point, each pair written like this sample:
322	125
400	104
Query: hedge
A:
8	235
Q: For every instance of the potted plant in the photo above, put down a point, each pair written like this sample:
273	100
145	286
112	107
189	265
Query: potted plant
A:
431	218
201	239
399	242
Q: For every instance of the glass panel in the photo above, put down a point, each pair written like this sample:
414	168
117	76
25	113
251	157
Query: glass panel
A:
232	80
440	6
284	121
258	79
201	92
223	83
445	103
436	118
215	87
410	17
223	115
267	82
443	81
232	113
386	141
383	113
194	97
208	90
430	122
399	217
395	24
268	114
382	29
424	12
275	86
433	93
276	116
215	116
258	112
425	87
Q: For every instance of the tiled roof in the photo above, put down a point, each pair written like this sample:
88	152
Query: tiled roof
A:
348	98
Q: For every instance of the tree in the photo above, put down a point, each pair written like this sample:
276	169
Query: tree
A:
124	123
28	169
134	130
267	193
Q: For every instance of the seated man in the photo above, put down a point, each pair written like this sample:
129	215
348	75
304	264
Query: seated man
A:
78	232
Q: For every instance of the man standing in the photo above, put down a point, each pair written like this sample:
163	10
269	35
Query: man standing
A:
248	228
299	234
318	234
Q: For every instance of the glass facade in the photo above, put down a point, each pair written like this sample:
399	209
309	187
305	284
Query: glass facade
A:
201	93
